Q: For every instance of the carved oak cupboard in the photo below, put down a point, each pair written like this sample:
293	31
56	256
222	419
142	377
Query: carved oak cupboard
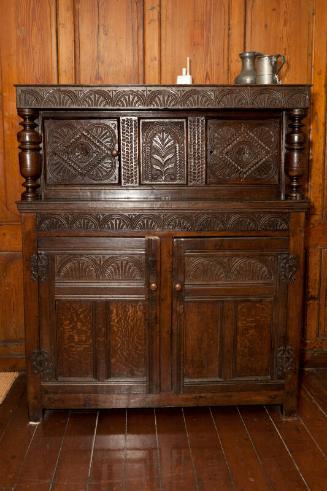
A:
163	231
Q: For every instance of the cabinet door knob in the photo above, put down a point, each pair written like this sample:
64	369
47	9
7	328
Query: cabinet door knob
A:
153	286
114	152
178	287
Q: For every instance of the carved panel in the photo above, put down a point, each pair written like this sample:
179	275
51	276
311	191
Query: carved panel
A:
243	151
107	268
80	151
288	265
253	339
127	340
214	268
75	343
196	151
163	97
129	151
163	151
183	221
285	360
42	364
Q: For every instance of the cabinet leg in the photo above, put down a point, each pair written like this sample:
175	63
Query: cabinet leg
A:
289	410
35	415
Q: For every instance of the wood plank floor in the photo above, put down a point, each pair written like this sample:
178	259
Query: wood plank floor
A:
200	449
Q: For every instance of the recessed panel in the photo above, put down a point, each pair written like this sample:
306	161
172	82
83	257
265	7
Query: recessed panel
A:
163	151
81	151
75	339
202	343
243	151
126	340
253	339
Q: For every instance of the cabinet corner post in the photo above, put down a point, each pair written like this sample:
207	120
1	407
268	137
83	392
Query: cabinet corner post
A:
30	160
294	156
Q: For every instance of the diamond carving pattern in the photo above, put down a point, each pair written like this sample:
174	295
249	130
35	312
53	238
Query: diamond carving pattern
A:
80	151
163	151
243	151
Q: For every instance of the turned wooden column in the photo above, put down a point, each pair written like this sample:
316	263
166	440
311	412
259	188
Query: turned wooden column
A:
295	145
30	160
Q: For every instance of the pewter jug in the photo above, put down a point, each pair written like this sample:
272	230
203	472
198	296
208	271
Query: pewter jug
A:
267	68
248	73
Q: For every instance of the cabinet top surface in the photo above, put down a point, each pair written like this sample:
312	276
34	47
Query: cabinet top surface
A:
155	97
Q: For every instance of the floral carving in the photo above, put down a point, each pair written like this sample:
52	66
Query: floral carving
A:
163	151
285	360
147	97
97	267
42	364
202	222
288	266
39	266
217	269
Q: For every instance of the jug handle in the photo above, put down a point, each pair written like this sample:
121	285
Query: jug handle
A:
282	62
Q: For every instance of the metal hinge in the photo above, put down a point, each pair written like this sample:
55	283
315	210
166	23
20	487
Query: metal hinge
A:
285	360
39	266
288	265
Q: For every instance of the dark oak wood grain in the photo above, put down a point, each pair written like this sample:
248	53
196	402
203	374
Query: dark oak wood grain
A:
166	264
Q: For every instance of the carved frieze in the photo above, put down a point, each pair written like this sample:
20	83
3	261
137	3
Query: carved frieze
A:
86	267
214	268
164	97
81	151
285	360
163	151
243	151
184	221
129	151
196	151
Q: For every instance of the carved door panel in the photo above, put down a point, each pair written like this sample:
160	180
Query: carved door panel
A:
229	317
81	152
99	311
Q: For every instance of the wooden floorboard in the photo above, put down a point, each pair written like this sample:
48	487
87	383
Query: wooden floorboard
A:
167	449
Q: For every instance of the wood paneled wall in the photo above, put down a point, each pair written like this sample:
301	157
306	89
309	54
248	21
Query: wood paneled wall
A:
147	41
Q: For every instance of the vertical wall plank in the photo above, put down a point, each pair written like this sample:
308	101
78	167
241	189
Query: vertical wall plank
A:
283	26
236	37
152	31
199	30
315	329
66	41
318	186
110	41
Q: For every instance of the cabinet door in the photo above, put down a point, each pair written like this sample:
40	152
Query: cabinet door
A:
99	312
229	310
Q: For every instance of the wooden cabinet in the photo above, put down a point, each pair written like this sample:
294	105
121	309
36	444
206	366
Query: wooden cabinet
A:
163	244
